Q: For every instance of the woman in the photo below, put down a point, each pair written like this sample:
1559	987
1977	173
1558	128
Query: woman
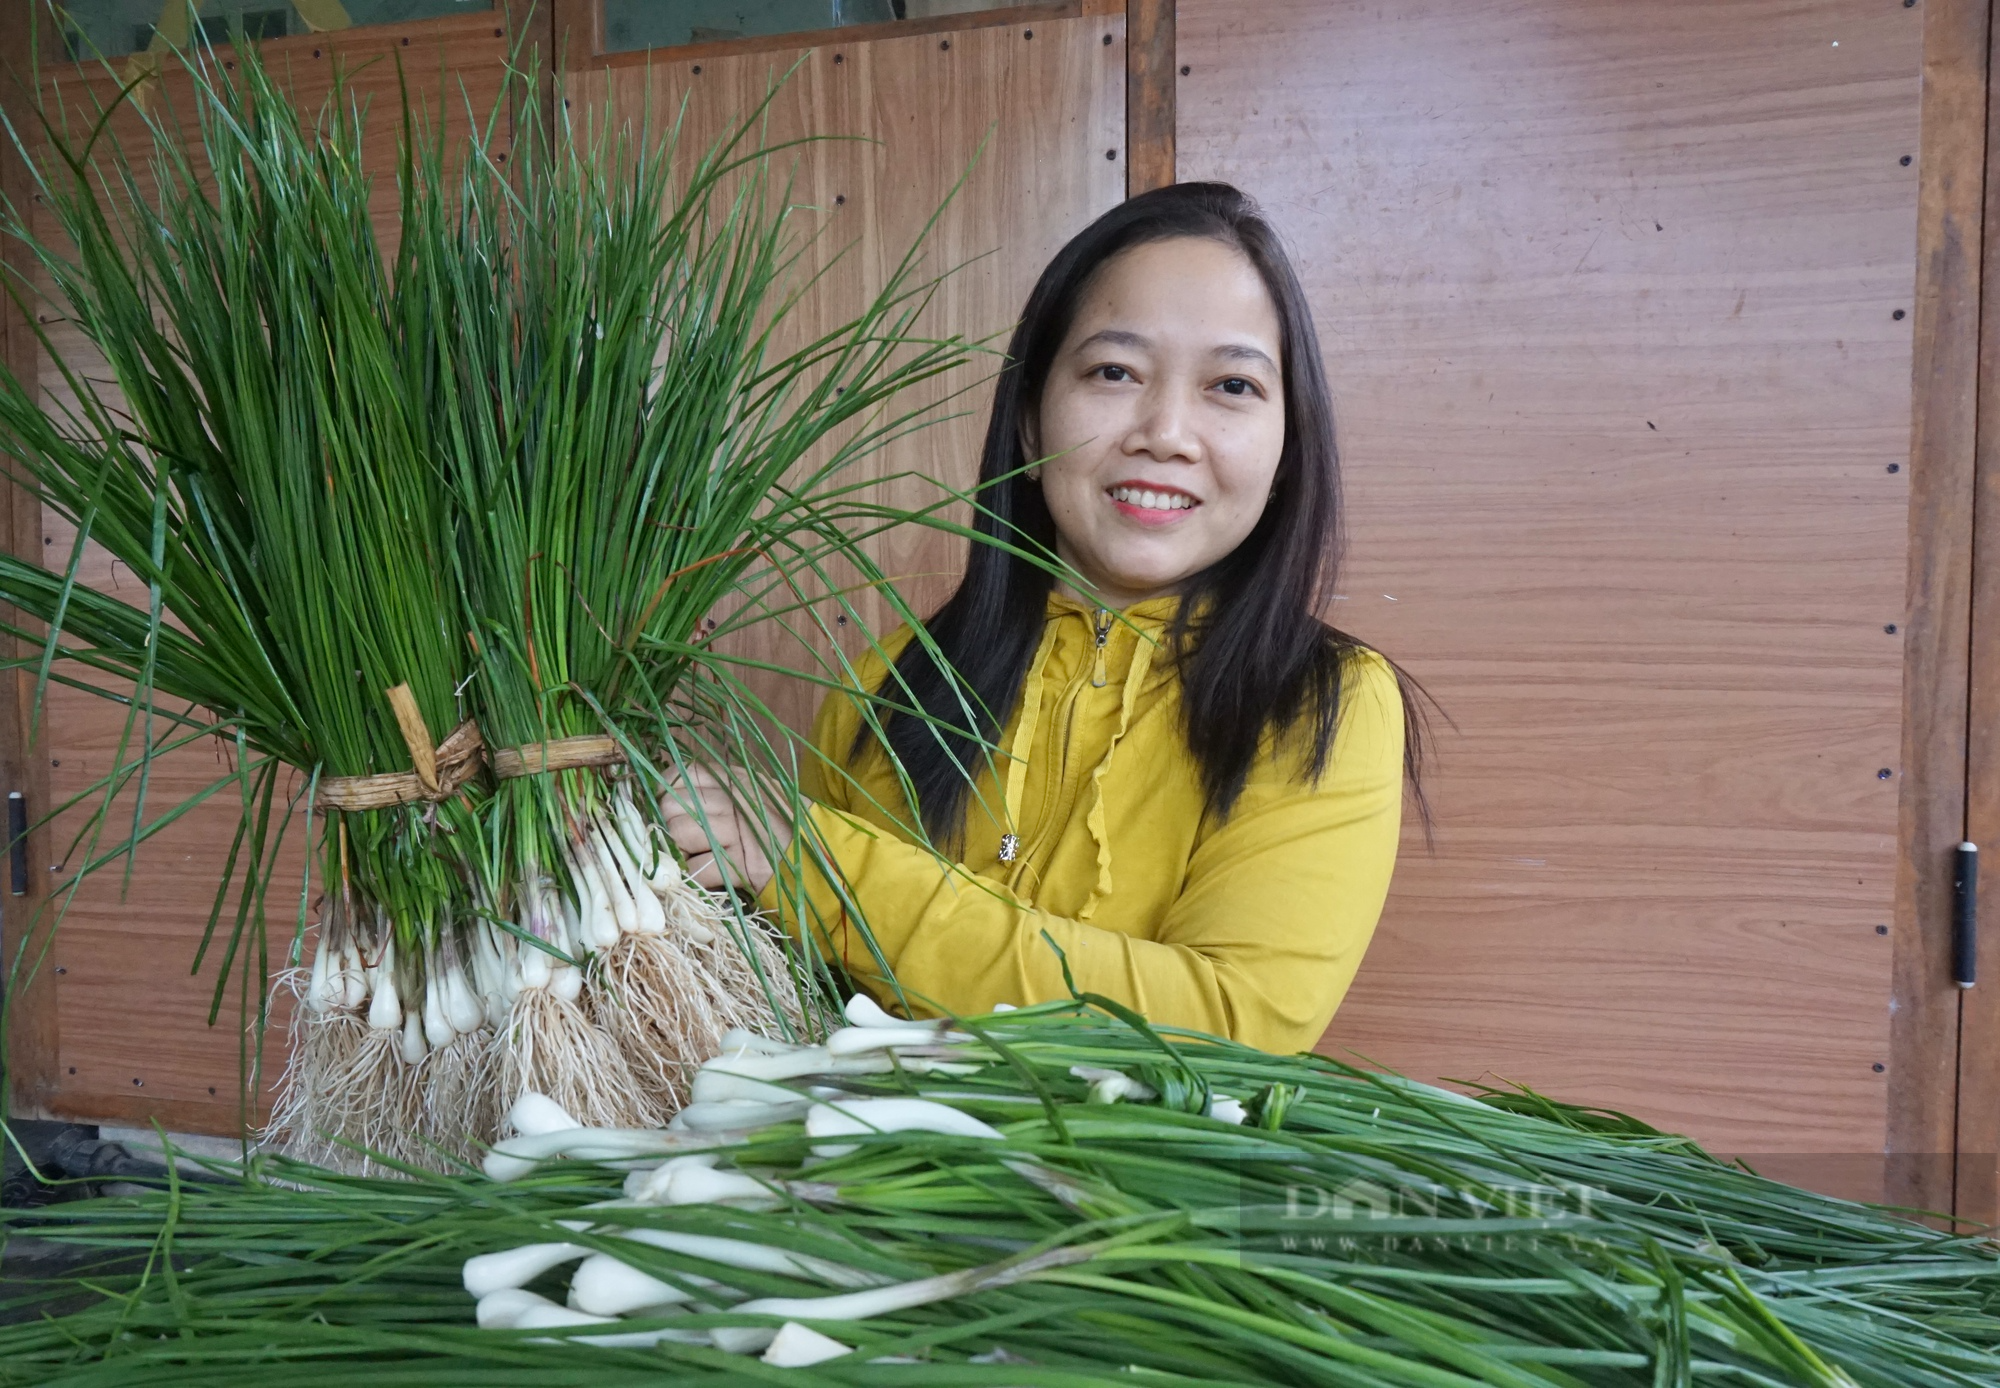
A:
1199	784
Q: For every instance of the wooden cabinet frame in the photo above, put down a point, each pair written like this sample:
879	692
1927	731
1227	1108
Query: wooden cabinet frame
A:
28	1048
1944	1125
1151	77
1924	1029
1971	537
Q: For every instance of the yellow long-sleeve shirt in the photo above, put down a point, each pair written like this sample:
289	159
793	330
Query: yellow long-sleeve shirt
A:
1250	927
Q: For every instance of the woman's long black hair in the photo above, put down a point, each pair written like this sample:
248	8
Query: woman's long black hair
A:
1251	651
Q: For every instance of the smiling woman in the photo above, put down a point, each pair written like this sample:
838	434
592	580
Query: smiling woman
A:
1167	422
1171	782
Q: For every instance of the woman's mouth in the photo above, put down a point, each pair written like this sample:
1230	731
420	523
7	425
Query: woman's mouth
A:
1150	505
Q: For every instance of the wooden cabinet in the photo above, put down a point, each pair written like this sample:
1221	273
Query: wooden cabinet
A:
1664	359
1619	304
1656	337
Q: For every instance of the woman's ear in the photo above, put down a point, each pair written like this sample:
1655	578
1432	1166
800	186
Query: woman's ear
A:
1030	450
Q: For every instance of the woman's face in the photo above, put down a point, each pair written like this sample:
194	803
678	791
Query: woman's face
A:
1166	404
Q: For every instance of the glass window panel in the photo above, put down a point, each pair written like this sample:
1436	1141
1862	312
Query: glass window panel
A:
113	28
630	24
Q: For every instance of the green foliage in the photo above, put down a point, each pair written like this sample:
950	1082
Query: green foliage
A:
1382	1232
513	462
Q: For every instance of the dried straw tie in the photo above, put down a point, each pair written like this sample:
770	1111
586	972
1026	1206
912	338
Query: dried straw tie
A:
441	771
563	754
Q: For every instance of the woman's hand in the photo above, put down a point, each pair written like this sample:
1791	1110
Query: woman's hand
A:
733	827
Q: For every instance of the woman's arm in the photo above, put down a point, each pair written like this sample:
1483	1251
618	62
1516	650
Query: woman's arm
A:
1278	905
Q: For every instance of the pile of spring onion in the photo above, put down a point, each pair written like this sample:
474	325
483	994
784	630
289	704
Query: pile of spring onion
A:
442	538
1056	1195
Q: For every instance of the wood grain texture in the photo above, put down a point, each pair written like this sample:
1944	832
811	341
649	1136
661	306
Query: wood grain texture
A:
1047	109
1977	1184
1150	83
1606	294
129	1016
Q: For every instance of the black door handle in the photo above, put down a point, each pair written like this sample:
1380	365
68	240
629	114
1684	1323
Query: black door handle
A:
1965	914
17	840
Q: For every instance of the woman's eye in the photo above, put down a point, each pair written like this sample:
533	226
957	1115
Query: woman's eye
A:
1237	385
1114	373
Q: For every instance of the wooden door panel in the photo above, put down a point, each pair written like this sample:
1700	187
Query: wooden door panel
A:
1615	305
1977	1173
1024	112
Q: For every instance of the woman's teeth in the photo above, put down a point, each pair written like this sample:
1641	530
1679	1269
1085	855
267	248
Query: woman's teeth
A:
1152	501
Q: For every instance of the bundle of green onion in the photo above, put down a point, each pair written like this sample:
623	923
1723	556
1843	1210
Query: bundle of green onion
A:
1057	1195
446	539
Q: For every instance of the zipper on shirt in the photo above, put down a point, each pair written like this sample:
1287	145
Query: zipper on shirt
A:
1054	816
1097	671
1057	803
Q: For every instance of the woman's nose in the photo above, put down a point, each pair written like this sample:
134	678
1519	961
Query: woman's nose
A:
1165	429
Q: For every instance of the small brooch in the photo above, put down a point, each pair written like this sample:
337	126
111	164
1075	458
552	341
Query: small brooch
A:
1010	845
